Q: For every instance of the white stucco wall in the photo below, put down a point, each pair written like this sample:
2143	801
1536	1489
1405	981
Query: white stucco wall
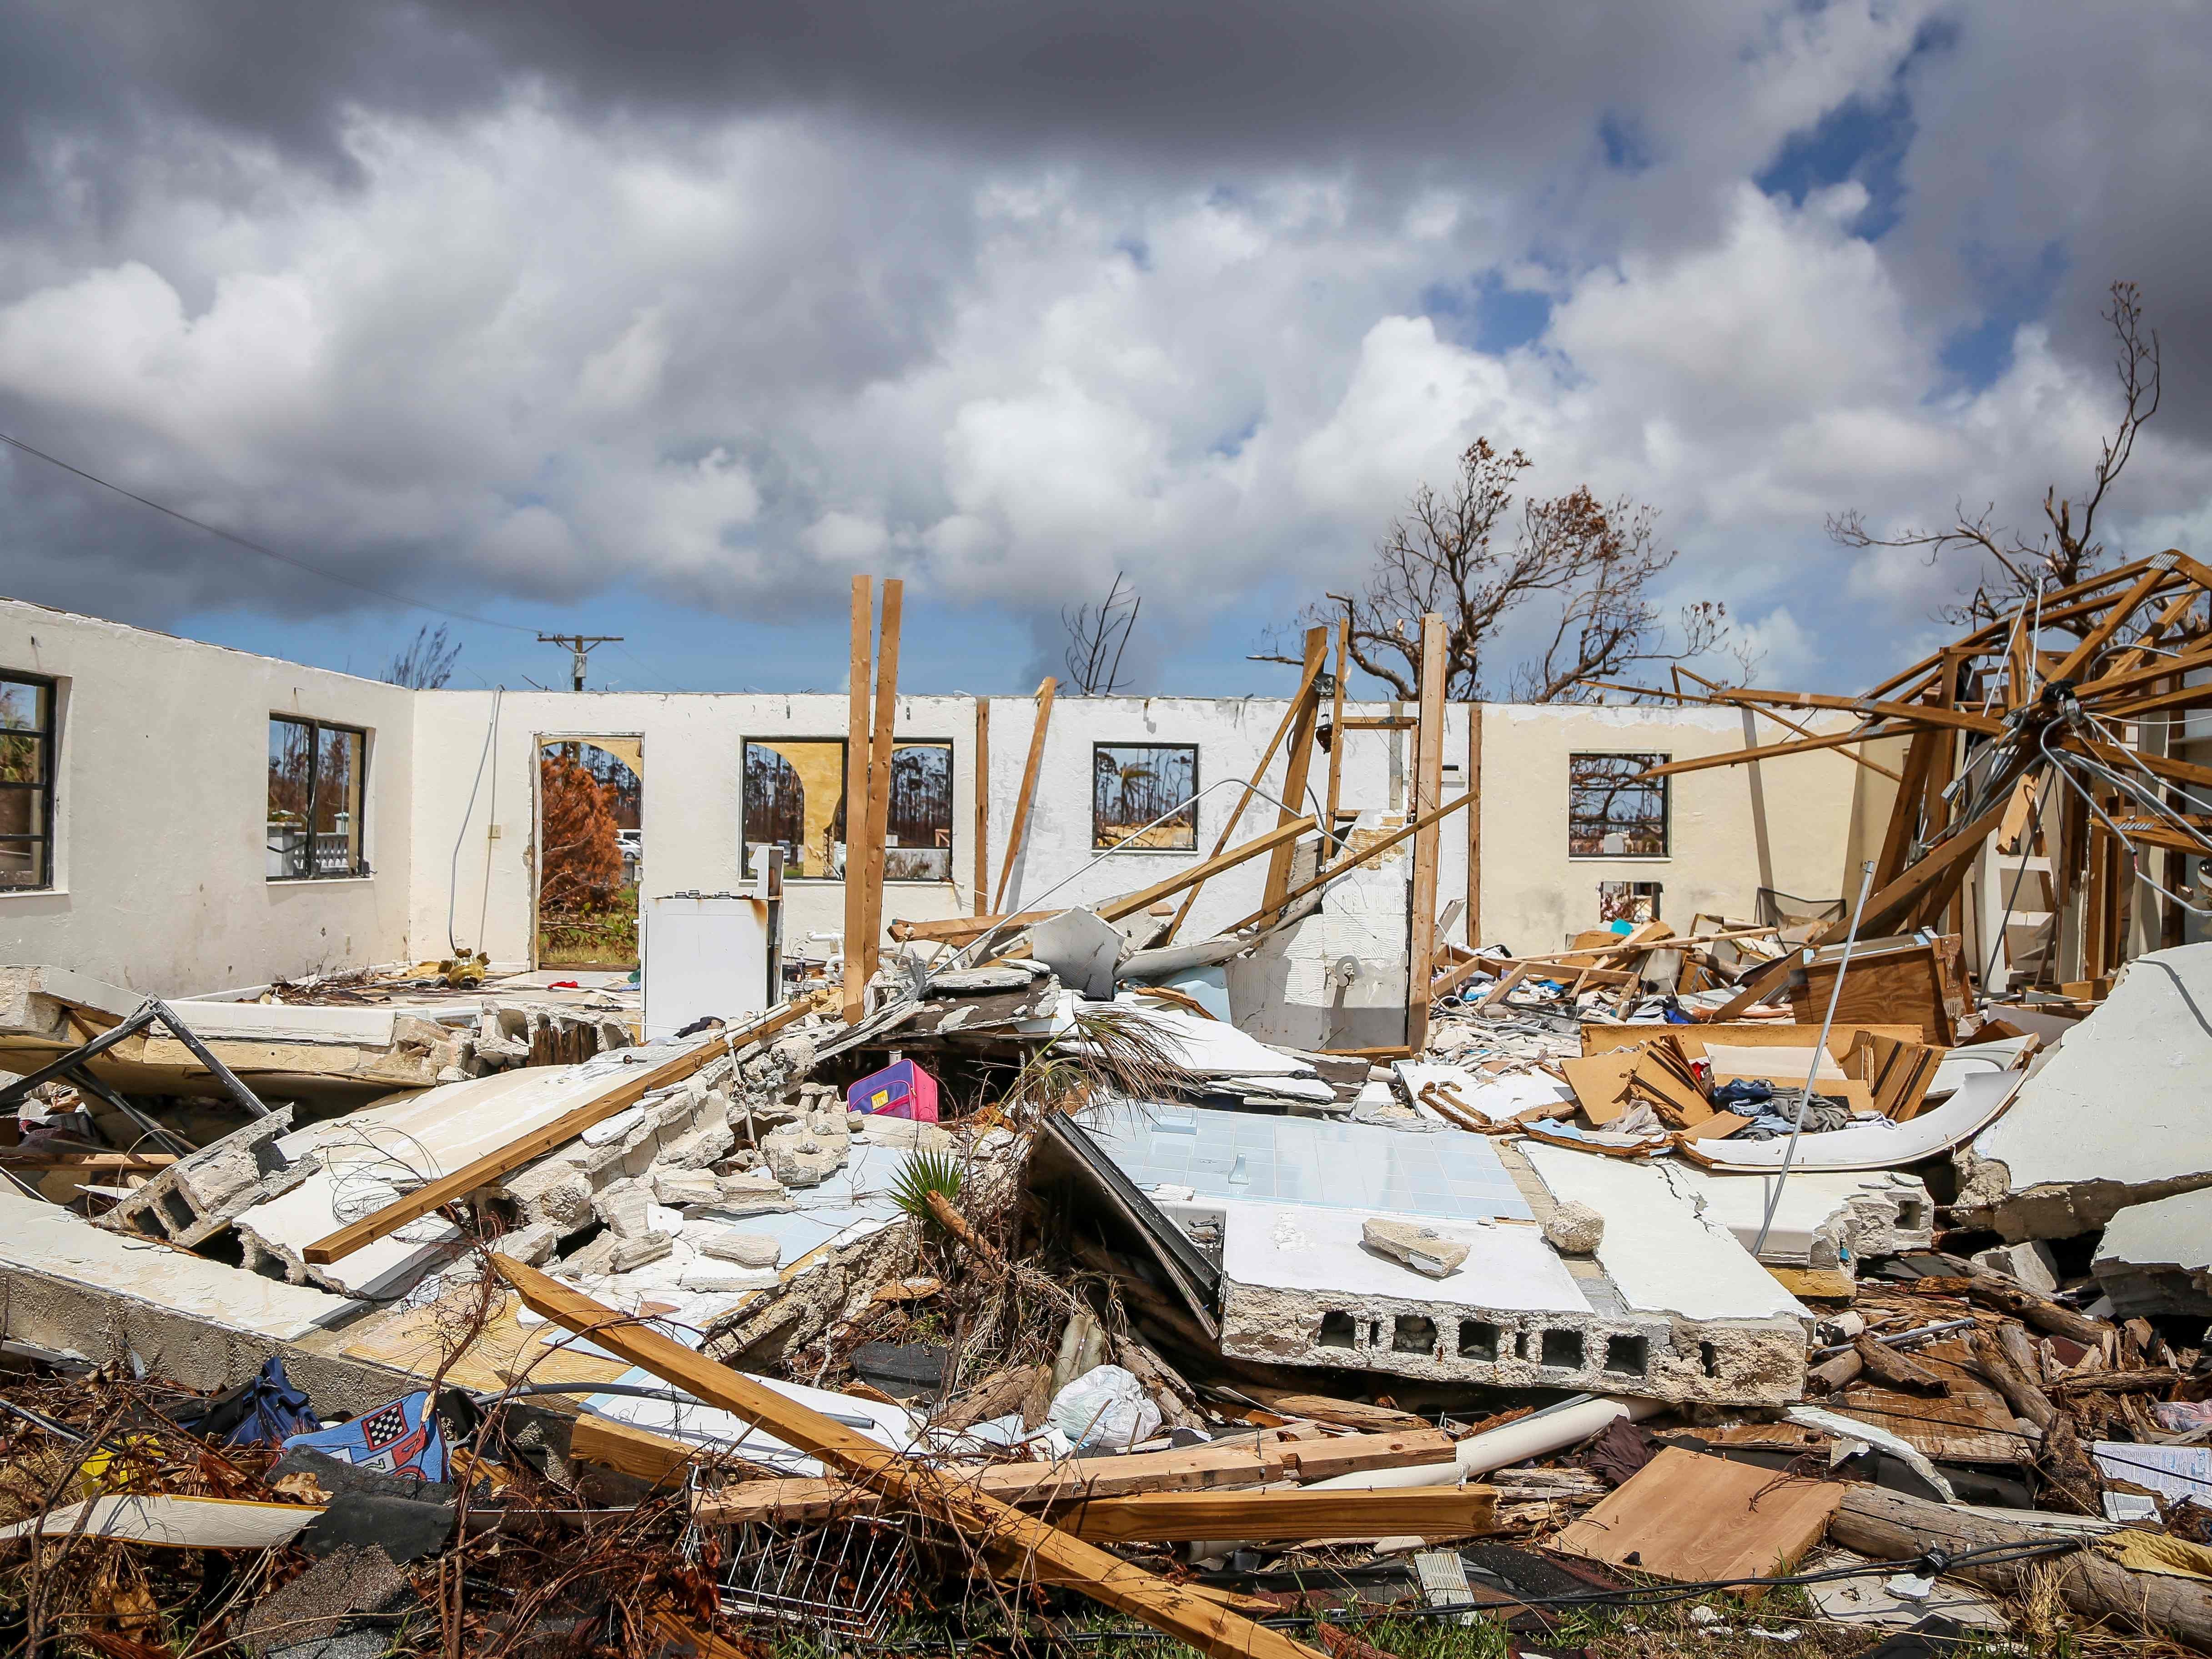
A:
162	796
1535	895
162	808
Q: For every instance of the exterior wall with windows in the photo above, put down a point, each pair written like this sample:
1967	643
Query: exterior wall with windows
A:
1537	890
160	850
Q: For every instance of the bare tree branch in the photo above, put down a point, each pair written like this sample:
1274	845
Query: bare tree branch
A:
1451	554
2066	550
1096	638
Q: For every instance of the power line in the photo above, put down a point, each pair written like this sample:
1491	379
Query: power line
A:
257	547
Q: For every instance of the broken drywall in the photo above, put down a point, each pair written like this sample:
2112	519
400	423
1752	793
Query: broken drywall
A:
2115	1118
1825	1220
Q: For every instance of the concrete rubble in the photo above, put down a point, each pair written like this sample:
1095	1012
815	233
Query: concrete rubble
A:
1605	1256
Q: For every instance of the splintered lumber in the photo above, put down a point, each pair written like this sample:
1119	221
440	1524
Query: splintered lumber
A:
1327	1408
979	899
961	929
880	747
1428	787
1291	716
1367	855
1297	760
1023	1547
627	1449
1021	824
616	1094
1889	1526
856	798
1697	1519
1172	1517
1240	1462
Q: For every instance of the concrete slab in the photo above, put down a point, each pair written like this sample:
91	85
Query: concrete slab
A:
2115	1117
1826	1218
2156	1258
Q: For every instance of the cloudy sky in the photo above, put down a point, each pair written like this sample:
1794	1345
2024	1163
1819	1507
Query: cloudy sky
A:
663	319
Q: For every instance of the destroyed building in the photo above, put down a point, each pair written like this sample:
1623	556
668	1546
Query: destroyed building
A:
1442	1151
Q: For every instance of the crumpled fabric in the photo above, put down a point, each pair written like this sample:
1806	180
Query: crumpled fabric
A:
263	1410
2155	1551
2181	1415
1822	1116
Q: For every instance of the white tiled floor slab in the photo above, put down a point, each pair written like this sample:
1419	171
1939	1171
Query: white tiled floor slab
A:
1300	1160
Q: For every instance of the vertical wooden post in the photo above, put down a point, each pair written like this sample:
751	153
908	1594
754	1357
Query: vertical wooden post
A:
1474	825
1428	787
1021	824
879	764
1297	762
1336	739
856	802
982	768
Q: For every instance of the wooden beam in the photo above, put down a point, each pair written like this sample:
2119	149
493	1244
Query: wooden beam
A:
1782	720
1938	871
616	1094
1765	751
1474	823
1297	762
1336	737
1173	1518
856	800
1023	1547
1245	796
983	770
1905	812
961	929
1353	861
2113	619
1867	708
1428	789
1021	824
882	742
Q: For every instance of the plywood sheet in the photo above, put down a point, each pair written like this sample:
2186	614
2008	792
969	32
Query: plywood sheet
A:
1692	1518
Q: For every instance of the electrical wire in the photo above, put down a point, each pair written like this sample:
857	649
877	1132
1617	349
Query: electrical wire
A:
252	546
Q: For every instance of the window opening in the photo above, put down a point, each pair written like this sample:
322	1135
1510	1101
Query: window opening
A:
1612	812
794	797
317	781
1636	901
26	788
1133	784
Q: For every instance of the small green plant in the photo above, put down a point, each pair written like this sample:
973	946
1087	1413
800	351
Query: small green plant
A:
925	1173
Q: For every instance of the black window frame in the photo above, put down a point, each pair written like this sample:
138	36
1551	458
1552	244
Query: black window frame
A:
747	846
1101	843
44	735
360	869
1645	760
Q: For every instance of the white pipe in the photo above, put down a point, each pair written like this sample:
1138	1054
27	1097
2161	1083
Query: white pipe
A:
1531	1437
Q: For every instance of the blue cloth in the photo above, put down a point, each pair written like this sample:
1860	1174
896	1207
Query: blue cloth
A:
265	1408
402	1438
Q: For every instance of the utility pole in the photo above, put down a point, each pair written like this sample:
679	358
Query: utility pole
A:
581	645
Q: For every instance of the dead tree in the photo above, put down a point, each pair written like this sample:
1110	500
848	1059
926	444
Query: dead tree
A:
1467	554
1097	637
2007	563
428	663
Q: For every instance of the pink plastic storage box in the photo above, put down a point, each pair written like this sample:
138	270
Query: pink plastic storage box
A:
902	1089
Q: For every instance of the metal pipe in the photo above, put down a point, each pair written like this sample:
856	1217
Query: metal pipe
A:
1820	1053
237	1090
17	1091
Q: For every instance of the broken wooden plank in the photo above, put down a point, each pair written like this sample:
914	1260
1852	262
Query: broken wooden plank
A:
1697	1519
618	1094
1028	791
982	770
881	744
652	1458
1172	1517
856	798
1333	793
1025	1548
1351	861
1283	728
1297	760
1428	790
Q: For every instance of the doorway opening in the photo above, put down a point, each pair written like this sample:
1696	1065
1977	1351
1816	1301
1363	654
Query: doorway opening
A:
590	850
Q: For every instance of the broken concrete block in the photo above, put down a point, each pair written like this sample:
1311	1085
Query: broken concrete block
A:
529	1245
630	1253
1424	1249
905	1131
623	1207
2034	1264
678	1187
1574	1229
746	1250
195	1198
802	1156
2157	1258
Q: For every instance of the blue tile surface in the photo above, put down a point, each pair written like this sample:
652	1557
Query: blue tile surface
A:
1304	1160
